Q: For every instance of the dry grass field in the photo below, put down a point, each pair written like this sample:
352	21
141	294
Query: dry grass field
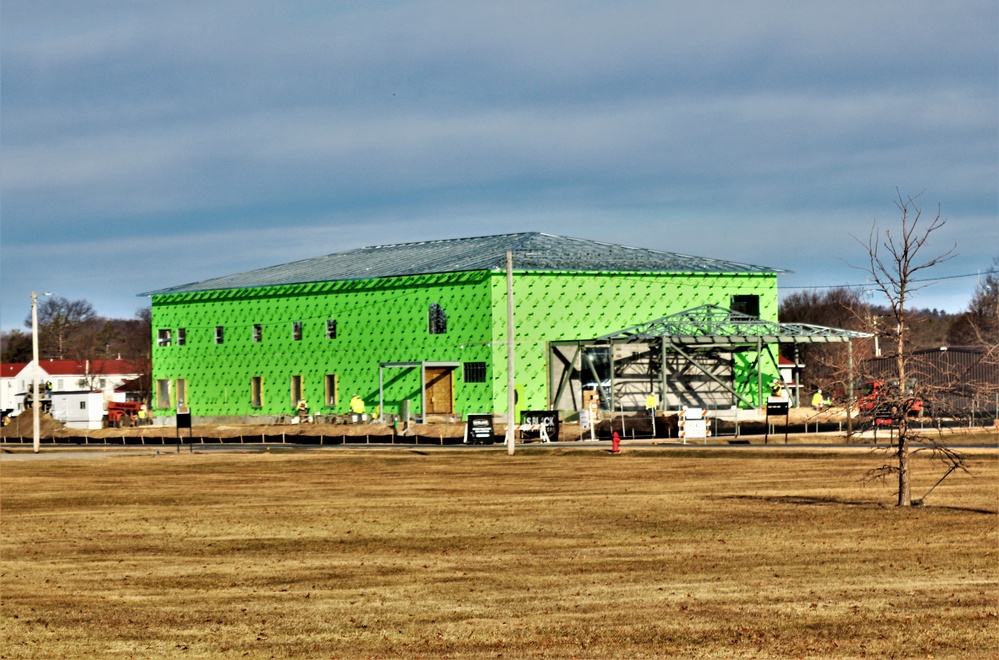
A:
679	551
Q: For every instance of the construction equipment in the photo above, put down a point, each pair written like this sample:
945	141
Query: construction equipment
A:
123	413
877	395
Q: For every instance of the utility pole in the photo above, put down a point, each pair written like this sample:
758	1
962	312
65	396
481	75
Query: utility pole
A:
36	424
510	393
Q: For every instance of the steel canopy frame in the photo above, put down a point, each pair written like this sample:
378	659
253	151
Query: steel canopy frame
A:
710	328
382	366
718	326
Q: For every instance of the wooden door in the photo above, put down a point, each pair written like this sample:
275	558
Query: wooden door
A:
438	390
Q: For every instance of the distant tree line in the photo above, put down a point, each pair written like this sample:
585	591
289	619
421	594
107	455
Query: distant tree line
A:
977	326
72	330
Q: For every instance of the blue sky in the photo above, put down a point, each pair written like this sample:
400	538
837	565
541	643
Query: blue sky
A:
149	144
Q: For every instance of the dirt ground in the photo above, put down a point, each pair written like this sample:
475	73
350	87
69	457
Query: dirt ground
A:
638	425
657	553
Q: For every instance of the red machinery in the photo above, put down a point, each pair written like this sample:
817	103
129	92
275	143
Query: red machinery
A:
123	413
876	394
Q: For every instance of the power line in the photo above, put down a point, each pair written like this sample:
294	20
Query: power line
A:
871	285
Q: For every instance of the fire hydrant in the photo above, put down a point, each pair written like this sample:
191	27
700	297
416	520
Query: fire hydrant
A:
615	443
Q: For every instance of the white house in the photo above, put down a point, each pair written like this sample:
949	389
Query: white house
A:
70	382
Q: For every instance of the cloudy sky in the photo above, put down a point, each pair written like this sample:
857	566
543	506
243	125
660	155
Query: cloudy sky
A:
149	144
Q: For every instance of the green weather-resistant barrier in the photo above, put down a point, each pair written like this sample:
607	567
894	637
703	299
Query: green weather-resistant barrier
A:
258	351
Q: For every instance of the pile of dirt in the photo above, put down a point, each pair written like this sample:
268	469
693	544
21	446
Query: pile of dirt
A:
21	426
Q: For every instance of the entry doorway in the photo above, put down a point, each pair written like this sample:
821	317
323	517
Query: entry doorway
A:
438	387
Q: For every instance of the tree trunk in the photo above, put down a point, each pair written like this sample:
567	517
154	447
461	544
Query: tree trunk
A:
904	490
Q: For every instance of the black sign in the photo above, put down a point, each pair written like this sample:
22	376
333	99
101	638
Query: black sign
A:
777	408
479	430
548	418
184	420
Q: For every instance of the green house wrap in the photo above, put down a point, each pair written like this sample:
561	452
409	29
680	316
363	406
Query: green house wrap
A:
420	325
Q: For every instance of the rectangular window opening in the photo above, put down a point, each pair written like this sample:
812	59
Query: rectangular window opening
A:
331	329
257	391
332	390
163	337
296	331
258	333
296	391
181	336
182	404
163	393
474	372
745	304
219	334
436	320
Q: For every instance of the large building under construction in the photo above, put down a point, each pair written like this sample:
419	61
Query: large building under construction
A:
424	326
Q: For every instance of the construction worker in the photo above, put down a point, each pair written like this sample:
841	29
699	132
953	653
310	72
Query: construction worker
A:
650	404
357	404
818	402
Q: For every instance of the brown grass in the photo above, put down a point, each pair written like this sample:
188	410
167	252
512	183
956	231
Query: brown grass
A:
471	553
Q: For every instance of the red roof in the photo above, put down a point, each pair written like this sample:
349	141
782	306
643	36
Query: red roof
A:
79	367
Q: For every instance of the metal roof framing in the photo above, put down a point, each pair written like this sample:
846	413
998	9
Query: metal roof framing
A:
704	330
532	251
714	326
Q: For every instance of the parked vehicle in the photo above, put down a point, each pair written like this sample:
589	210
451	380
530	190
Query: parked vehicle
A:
123	413
878	396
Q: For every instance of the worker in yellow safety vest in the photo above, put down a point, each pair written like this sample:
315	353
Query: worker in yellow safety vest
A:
357	404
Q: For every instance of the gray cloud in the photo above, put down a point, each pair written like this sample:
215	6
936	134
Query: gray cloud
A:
766	132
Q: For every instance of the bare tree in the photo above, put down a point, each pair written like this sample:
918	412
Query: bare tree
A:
894	264
979	325
59	322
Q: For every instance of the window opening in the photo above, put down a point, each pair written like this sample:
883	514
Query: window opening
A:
437	320
746	304
219	334
332	390
296	331
163	337
296	390
163	393
474	372
182	394
181	336
257	391
258	333
331	329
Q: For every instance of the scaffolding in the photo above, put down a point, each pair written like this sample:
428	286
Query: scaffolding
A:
707	357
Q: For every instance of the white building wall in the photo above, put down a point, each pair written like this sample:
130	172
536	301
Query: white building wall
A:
13	387
79	410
